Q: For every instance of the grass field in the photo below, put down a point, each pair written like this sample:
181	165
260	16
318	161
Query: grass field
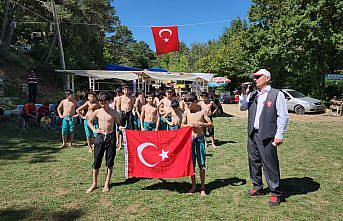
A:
40	181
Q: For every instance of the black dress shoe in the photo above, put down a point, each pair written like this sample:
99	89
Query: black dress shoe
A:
274	201
255	193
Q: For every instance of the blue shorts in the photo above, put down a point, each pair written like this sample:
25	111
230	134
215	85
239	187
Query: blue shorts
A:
149	126
88	130
68	125
137	123
199	152
174	127
163	124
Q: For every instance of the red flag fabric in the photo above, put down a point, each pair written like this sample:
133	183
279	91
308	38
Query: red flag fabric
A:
166	39
158	154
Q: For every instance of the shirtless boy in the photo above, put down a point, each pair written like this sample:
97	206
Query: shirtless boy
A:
67	107
167	99
116	107
174	113
162	107
209	106
140	102
198	119
150	119
126	103
183	106
90	106
105	141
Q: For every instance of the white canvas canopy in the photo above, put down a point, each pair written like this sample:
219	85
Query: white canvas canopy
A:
103	74
133	75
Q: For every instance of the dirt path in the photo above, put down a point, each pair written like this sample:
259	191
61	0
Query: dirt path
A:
233	109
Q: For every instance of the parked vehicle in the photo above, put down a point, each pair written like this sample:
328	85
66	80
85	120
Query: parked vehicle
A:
300	104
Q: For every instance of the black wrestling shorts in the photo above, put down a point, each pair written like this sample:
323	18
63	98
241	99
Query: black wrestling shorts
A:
127	120
104	143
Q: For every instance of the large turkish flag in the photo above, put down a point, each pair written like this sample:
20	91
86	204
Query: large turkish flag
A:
158	154
166	39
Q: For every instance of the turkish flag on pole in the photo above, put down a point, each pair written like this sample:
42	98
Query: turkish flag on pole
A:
158	154
166	39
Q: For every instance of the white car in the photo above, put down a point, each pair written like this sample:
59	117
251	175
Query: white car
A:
300	104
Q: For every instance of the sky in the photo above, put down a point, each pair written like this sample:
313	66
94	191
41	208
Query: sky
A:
133	13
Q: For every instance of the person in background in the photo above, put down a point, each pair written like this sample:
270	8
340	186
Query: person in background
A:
89	107
149	116
209	106
139	103
42	110
66	111
32	84
29	114
174	113
45	122
219	110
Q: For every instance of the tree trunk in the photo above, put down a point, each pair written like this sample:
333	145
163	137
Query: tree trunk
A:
8	39
47	55
4	22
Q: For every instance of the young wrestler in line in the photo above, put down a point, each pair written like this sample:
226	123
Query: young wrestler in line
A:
150	118
125	105
167	99
117	108
183	106
67	107
198	119
174	113
140	102
209	106
105	140
90	106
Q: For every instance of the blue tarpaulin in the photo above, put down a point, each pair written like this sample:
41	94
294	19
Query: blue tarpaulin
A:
114	67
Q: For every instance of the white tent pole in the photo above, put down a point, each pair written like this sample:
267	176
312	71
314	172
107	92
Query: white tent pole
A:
72	83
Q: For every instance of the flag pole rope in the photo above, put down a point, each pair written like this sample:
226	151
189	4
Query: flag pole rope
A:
182	25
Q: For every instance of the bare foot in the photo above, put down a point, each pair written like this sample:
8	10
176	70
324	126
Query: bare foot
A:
202	193
213	145
106	188
90	189
62	146
90	150
191	191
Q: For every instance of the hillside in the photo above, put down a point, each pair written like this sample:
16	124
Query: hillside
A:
14	71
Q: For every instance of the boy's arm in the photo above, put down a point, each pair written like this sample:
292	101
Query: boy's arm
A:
119	103
158	122
117	120
184	120
79	110
132	102
59	108
165	116
208	122
90	122
142	118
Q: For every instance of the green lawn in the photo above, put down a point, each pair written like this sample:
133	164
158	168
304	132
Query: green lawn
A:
39	181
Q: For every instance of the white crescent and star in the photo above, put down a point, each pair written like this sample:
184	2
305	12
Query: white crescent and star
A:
165	30
140	148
